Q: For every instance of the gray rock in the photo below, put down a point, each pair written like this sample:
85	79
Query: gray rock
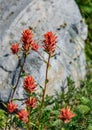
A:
64	19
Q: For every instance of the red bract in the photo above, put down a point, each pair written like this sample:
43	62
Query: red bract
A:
35	47
15	48
31	102
50	42
27	40
29	84
23	115
66	115
11	107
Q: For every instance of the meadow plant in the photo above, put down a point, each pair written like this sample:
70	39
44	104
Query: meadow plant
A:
33	117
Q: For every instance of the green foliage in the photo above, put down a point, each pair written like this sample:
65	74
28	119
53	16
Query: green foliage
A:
86	10
84	100
78	99
89	127
84	109
2	119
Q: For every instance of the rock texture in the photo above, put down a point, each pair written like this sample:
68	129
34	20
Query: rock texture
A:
63	18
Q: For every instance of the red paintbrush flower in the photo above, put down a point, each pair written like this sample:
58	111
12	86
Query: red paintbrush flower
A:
31	102
27	40
35	47
11	107
66	115
23	115
29	84
50	42
15	48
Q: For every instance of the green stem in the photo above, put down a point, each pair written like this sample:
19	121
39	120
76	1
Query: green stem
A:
28	124
46	81
10	122
6	123
44	90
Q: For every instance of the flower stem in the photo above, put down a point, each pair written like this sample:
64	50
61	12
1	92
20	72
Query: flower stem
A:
10	122
12	94
6	123
28	123
46	81
44	90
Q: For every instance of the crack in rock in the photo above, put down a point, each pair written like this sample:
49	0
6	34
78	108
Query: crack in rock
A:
9	71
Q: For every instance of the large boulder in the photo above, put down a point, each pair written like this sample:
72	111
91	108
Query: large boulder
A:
60	16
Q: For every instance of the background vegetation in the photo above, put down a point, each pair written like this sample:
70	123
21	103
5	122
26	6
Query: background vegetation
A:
86	11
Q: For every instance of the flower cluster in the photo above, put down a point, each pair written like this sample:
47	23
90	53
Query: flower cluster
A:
28	43
29	84
15	48
31	102
66	115
23	115
27	40
11	107
35	47
50	43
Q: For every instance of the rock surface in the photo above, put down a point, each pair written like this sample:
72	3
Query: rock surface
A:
63	18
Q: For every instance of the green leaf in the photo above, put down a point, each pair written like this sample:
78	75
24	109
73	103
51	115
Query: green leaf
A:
41	87
2	119
23	74
56	123
46	81
84	100
89	127
12	87
62	128
46	115
84	109
86	8
56	112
